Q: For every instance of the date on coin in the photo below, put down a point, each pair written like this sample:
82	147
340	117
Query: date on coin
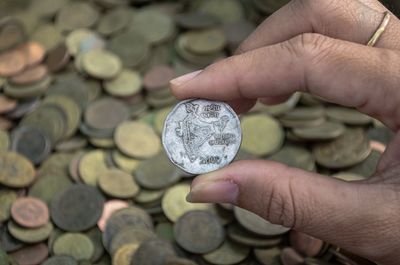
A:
200	136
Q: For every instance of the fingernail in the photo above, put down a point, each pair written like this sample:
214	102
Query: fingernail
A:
184	78
214	191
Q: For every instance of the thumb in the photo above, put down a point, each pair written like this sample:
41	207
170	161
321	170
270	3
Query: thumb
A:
320	206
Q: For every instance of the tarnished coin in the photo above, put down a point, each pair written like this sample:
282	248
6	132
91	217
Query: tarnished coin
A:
60	260
326	131
4	141
30	212
30	235
124	255
33	254
118	184
242	236
199	232
76	245
77	15
15	170
31	142
123	162
227	254
137	139
201	136
351	148
267	256
129	235
348	116
126	83
101	64
153	252
91	166
87	208
258	225
57	58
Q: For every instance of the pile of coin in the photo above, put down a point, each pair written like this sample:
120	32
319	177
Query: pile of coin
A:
83	176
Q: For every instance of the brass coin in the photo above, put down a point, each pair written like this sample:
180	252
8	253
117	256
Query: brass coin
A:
101	64
157	172
98	115
155	26
174	202
47	186
159	119
72	144
60	260
30	75
88	207
114	21
262	134
199	232
267	256
137	139
30	212
30	235
124	255
29	90
4	141
76	15
326	131
258	225
223	10
206	41
228	253
351	148
368	167
118	184
124	162
15	170
348	116
126	83
102	142
33	254
7	197
12	63
153	252
91	166
75	38
76	245
129	235
148	196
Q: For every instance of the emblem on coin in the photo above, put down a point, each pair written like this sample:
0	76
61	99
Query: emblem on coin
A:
200	136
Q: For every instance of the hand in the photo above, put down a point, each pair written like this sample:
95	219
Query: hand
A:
316	47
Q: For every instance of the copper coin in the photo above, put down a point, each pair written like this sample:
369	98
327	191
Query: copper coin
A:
30	75
30	212
109	208
12	62
304	244
7	104
34	53
5	124
158	77
57	58
378	146
31	254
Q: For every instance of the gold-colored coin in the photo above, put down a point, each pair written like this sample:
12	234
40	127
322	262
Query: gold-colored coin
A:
7	197
124	255
91	166
174	202
262	134
137	139
16	171
126	83
4	141
124	162
227	254
101	64
118	184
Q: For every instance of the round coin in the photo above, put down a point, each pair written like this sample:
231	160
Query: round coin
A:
77	15
348	116
101	64
126	83
110	207
12	62
262	134
31	142
200	136
15	170
351	148
129	235
60	260
153	252
30	235
118	184
199	232
34	53
257	224
86	211
29	255
206	41
228	253
137	139
76	245
124	255
30	212
325	131
158	77
57	58
91	166
30	75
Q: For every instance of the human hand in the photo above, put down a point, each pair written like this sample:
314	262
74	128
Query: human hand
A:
315	47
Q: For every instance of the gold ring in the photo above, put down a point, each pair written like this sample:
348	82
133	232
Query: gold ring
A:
380	30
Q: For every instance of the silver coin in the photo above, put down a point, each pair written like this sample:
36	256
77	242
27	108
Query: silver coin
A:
200	136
